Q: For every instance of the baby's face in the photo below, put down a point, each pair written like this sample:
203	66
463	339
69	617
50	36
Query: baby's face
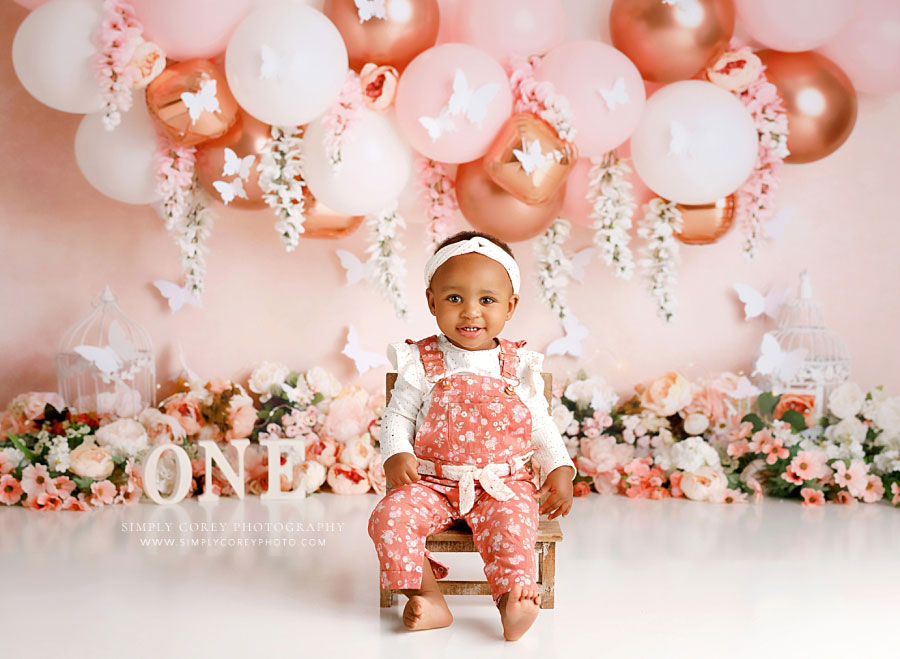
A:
471	298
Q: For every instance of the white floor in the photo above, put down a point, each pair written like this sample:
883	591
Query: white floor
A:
634	578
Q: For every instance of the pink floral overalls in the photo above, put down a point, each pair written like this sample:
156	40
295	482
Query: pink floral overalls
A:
478	432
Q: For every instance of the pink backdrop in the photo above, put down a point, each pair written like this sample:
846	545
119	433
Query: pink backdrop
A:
61	241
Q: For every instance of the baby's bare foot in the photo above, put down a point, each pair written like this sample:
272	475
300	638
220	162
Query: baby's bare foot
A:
426	611
518	609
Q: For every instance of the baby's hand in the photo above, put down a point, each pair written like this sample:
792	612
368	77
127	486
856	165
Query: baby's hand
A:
559	485
401	469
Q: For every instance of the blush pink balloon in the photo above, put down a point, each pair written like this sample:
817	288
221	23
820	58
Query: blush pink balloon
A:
868	49
511	27
604	90
448	27
425	89
576	208
794	25
186	29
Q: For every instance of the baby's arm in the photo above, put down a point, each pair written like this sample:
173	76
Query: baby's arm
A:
398	425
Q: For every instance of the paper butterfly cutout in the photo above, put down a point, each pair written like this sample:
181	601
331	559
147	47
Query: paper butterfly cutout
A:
204	100
616	95
743	389
779	363
532	158
110	358
580	261
755	303
356	269
437	126
230	190
680	142
177	295
774	228
363	359
570	344
369	9
472	103
234	165
185	369
273	66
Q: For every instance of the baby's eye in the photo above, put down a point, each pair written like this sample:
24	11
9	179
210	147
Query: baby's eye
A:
487	300
454	298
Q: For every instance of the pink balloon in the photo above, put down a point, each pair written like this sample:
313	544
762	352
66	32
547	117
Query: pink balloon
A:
511	27
425	89
794	25
868	49
448	27
604	90
186	29
576	207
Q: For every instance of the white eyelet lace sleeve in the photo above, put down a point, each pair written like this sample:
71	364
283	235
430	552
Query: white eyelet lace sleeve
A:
398	424
550	449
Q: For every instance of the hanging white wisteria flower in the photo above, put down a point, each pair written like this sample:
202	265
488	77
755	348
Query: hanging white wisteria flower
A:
118	36
609	192
554	268
341	119
191	233
174	176
659	257
281	180
388	268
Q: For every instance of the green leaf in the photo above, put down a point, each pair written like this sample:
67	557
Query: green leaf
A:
796	420
767	402
84	484
755	420
15	439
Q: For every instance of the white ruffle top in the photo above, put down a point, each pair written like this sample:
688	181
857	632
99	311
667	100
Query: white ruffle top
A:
411	398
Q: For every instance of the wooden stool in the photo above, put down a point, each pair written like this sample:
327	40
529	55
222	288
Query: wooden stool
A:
458	538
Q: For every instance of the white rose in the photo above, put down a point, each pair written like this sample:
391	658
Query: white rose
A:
592	391
693	454
887	415
695	424
266	376
705	484
888	461
124	438
309	476
847	431
91	461
562	417
846	400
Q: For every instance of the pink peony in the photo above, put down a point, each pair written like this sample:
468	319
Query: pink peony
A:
376	475
10	490
103	492
812	497
379	86
344	479
735	71
241	417
309	476
323	450
13	424
30	406
710	402
185	409
854	478
349	415
874	490
358	452
607	482
705	484
666	395
36	479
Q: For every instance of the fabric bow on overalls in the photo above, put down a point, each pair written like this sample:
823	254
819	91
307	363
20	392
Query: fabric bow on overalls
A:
487	478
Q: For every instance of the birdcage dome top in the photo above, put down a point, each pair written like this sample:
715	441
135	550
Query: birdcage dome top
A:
96	327
802	326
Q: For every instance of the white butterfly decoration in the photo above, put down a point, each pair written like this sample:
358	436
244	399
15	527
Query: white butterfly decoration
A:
774	228
186	371
369	9
680	140
356	270
755	303
742	389
532	158
204	100
570	344
110	359
363	359
240	166
177	295
616	95
469	102
580	261
776	362
437	126
230	189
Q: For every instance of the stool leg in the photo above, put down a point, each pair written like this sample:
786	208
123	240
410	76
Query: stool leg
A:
387	598
548	574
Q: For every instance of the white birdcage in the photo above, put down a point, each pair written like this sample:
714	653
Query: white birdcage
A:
825	362
105	362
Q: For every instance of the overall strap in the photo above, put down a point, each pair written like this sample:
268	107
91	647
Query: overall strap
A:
509	360
431	356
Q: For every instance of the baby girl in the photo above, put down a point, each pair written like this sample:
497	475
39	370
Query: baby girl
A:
466	414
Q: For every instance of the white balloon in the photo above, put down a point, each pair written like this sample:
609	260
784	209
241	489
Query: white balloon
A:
286	63
696	143
53	53
374	170
120	163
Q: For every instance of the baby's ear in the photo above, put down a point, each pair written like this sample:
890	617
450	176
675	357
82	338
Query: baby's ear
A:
513	303
429	297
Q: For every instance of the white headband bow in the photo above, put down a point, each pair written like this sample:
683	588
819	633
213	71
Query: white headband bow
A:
479	245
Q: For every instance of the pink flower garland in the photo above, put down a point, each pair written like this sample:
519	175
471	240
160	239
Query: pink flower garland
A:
539	98
338	122
174	176
437	191
120	33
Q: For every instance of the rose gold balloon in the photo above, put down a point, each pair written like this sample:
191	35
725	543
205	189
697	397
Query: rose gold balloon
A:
548	172
671	41
248	137
166	102
704	224
408	28
322	222
819	99
491	209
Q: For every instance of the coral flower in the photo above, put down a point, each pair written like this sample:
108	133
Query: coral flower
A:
10	491
854	477
812	497
774	451
895	490
844	497
874	490
36	479
581	489
808	465
104	493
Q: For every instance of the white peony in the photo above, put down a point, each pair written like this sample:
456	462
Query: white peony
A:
705	484
887	415
13	454
693	453
847	431
592	391
266	376
846	400
696	423
358	452
124	438
322	382
562	417
309	476
888	461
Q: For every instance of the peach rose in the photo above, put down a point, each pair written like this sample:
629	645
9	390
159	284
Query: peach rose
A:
185	409
710	402
348	415
705	484
666	395
147	62
345	479
735	70
323	450
802	403
241	417
91	461
358	452
379	86
581	489
161	428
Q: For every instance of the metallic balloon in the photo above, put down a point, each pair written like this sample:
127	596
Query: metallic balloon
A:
491	209
322	222
819	98
529	160
183	85
248	137
408	28
670	41
704	224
